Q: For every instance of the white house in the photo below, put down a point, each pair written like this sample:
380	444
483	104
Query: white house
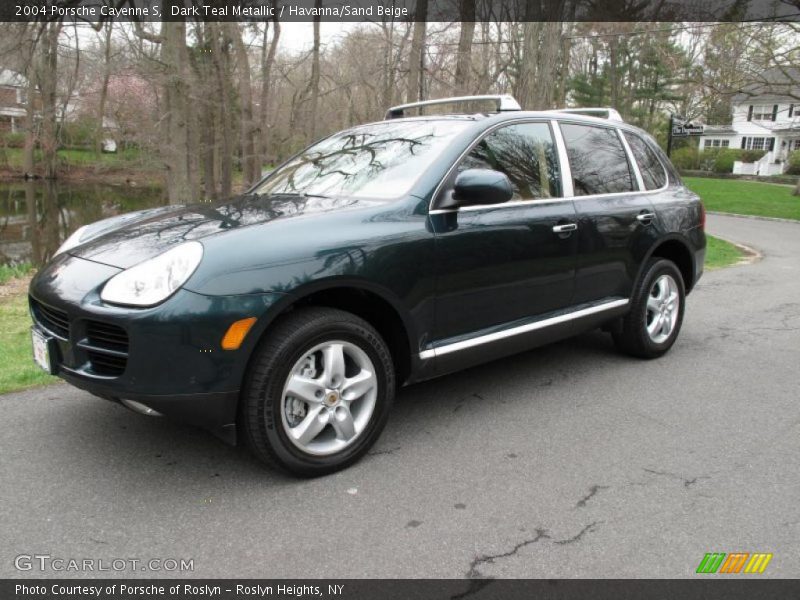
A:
13	99
766	116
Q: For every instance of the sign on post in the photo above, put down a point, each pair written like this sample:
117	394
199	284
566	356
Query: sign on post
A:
678	127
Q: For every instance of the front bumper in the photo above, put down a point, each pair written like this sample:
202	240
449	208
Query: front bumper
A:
167	357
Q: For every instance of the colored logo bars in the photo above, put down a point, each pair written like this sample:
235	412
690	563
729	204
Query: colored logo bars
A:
716	562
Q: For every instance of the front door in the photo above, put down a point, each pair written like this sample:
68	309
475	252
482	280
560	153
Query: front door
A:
500	265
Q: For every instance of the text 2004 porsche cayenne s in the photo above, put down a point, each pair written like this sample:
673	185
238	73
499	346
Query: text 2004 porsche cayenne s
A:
383	255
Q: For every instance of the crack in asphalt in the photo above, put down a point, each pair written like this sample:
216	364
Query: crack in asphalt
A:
576	538
541	534
686	481
592	493
474	573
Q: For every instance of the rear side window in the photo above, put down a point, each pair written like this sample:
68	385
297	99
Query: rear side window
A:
526	153
650	167
597	159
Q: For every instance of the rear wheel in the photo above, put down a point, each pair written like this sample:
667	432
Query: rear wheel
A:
318	393
654	321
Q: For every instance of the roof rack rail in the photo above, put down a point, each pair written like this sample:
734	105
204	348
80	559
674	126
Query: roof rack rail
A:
601	112
504	102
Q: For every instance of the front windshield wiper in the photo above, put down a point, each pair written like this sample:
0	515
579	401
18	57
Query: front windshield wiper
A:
296	194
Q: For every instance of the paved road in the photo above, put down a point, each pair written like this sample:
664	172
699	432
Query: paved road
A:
569	461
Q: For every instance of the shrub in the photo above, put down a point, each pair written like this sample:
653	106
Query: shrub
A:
723	162
79	133
751	155
707	158
793	163
685	158
14	140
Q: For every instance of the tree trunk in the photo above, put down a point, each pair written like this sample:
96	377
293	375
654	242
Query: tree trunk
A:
267	60
48	77
416	56
176	131
250	166
464	56
545	92
529	64
101	109
222	68
314	82
613	57
30	122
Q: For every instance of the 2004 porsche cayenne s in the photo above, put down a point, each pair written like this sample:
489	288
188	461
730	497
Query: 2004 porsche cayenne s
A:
380	256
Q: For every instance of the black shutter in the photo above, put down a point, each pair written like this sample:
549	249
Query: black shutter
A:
774	112
744	140
750	113
791	110
771	144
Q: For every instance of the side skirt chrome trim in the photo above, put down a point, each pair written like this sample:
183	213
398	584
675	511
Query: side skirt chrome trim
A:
506	333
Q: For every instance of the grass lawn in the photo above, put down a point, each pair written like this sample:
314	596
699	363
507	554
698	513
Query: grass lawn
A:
746	197
17	369
72	157
720	253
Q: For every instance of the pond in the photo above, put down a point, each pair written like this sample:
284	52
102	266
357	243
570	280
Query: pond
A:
36	216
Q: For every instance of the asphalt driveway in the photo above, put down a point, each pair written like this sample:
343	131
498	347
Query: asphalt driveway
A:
568	461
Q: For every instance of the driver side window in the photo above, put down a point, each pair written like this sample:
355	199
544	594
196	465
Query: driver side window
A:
526	153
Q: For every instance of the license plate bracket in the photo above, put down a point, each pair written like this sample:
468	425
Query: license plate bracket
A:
44	352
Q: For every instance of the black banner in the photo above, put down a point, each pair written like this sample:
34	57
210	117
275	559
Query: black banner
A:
400	10
704	587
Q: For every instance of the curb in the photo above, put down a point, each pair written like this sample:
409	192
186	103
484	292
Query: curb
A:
756	217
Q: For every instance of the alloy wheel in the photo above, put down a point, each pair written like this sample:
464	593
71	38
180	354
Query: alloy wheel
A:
329	397
663	304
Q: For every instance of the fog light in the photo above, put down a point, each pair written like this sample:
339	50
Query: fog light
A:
236	333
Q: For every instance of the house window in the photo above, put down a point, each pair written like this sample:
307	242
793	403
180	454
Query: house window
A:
796	144
762	113
717	143
755	143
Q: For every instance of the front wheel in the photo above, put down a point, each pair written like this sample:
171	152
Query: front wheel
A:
656	315
318	393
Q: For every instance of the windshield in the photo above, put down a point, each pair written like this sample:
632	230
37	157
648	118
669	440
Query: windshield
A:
377	161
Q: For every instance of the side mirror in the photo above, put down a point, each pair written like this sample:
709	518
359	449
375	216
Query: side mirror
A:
481	186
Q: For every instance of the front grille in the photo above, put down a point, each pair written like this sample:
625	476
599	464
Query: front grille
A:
104	335
107	348
106	364
54	320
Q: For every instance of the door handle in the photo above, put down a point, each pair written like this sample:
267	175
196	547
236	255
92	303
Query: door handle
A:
645	218
566	228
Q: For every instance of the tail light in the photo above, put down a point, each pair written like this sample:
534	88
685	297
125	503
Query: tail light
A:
702	216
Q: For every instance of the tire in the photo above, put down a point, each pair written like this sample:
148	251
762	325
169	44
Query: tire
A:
342	372
633	336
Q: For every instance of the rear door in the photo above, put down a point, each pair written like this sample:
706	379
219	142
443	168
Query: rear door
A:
615	214
501	263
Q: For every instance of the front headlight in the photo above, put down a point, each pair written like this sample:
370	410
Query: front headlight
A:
72	240
156	279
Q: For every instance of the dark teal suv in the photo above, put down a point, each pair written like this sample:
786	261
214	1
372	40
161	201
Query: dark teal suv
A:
380	256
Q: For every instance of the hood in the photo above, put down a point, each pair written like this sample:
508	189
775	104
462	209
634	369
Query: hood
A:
149	233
